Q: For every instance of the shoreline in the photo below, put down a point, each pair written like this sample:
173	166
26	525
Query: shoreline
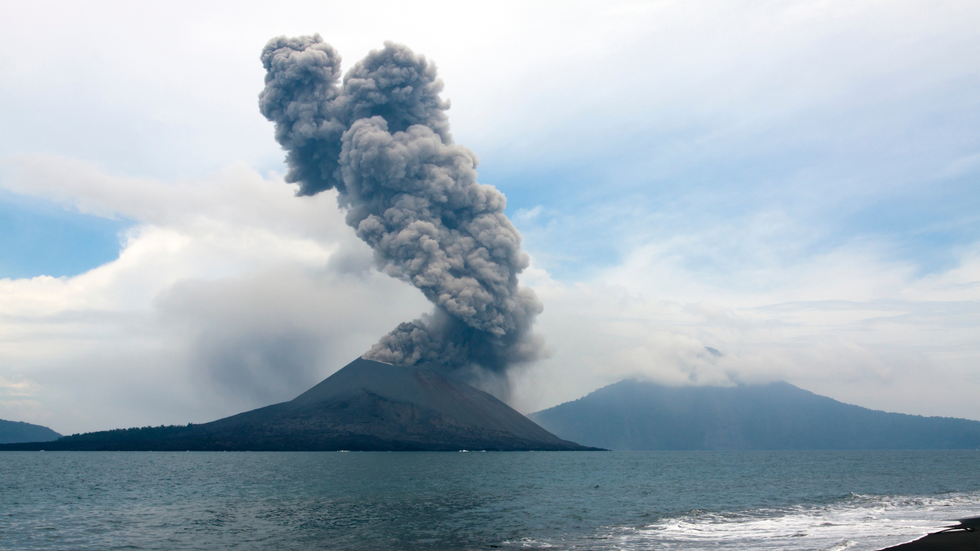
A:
960	537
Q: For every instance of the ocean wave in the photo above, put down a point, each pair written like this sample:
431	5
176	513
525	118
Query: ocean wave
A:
855	522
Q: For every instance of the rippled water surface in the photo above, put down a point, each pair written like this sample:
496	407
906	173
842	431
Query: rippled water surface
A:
556	500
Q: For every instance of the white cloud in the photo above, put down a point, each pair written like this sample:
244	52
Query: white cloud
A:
229	293
16	388
845	324
232	293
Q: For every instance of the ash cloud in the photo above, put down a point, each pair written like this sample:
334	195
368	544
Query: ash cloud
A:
380	137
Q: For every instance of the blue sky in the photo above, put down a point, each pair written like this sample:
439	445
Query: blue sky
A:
795	184
40	238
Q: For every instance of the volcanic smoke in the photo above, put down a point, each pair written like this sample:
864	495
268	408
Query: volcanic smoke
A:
381	139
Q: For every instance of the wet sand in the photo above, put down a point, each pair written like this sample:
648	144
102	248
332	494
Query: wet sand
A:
961	537
945	541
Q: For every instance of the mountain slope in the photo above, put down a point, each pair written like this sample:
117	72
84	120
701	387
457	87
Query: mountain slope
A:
366	406
633	415
17	431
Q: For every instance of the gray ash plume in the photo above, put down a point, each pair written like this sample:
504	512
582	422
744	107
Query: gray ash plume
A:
381	139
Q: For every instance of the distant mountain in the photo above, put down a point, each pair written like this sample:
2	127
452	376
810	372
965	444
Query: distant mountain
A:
633	415
15	431
367	405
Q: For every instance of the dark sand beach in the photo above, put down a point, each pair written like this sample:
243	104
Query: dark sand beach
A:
962	537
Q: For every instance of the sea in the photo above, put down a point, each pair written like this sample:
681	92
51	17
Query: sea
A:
471	500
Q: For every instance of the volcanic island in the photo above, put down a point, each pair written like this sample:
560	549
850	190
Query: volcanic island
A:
365	406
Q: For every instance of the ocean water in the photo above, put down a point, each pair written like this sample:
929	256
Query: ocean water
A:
475	500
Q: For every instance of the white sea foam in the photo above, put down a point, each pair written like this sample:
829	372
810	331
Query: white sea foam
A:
855	523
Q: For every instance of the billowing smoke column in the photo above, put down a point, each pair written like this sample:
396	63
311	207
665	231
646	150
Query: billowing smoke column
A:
381	139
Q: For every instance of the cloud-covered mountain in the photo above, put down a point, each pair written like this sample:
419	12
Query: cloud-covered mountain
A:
634	415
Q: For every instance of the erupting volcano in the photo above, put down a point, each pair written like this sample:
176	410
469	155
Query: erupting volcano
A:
380	138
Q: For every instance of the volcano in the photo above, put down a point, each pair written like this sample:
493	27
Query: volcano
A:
366	406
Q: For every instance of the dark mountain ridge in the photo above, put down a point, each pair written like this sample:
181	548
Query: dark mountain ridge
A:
366	406
634	415
17	431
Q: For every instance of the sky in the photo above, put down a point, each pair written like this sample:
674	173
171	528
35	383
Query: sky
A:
711	193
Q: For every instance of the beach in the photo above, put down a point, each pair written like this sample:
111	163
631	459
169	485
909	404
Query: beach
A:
962	537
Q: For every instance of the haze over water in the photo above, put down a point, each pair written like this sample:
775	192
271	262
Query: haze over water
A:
555	500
